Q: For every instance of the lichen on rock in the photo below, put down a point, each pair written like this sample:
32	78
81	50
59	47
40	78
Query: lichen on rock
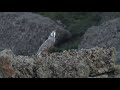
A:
85	63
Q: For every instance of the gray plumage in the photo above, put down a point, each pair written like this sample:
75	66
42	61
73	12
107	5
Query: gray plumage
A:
47	45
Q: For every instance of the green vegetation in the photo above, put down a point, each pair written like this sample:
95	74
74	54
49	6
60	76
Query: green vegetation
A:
76	22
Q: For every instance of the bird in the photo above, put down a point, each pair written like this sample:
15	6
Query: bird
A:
47	45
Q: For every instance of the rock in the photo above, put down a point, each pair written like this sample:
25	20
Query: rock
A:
83	63
24	32
61	68
106	16
7	53
24	66
99	60
6	69
95	61
101	76
116	73
105	35
12	66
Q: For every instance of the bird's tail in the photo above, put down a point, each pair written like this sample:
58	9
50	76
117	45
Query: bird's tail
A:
38	53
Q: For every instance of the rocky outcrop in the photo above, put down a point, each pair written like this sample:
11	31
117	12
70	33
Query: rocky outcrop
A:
24	32
6	69
73	63
85	63
104	35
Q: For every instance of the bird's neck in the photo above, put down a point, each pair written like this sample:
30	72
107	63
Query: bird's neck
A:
51	38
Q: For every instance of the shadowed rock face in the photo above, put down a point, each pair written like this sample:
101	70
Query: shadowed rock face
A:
24	32
104	35
105	16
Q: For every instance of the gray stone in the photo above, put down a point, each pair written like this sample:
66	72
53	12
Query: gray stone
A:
101	76
24	32
67	64
105	35
93	62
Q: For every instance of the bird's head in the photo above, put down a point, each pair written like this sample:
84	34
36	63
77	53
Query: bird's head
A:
53	34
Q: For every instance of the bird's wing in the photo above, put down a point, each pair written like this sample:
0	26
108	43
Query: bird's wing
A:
46	45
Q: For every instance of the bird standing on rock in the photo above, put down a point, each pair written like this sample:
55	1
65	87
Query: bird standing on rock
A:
47	45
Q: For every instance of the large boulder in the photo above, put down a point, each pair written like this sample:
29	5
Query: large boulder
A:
24	32
105	35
